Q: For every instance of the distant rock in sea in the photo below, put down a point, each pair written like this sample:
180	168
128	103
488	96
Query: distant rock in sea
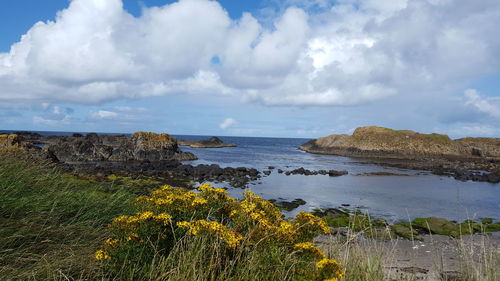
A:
213	142
464	159
381	142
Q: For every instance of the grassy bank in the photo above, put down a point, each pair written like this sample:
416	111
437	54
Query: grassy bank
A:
52	224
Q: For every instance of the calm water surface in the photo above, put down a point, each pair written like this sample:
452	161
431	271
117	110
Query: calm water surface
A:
420	194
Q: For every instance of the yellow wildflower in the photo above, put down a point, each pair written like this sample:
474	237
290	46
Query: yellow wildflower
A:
144	216
133	236
304	219
163	218
247	206
110	243
330	266
231	238
166	187
326	263
311	248
204	187
102	255
199	201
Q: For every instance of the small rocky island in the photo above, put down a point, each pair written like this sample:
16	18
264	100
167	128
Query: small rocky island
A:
213	142
475	159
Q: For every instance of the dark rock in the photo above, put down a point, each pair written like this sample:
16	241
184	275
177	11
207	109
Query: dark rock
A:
213	142
237	177
302	171
267	172
288	206
280	171
28	135
476	152
335	173
494	177
141	146
271	167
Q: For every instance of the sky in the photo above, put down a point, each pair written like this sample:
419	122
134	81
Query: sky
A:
276	68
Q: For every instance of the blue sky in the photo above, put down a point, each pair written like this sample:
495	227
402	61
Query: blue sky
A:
287	68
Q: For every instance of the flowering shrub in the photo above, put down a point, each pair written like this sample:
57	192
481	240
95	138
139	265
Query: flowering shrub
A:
239	226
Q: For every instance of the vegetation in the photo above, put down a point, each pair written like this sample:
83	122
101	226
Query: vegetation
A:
58	227
379	228
243	239
51	223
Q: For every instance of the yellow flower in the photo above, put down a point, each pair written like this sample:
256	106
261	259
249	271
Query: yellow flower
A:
326	263
204	187
183	224
163	218
330	266
231	238
145	215
311	248
308	220
247	206
102	255
110	243
199	201
133	236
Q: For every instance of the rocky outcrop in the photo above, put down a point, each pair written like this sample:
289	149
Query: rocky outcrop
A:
236	177
408	149
383	142
306	172
213	142
288	205
142	146
9	141
14	143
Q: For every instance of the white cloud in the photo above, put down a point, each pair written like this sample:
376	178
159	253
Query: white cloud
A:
104	114
129	109
322	53
485	105
472	130
38	120
228	122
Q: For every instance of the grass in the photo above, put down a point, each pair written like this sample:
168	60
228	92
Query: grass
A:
52	224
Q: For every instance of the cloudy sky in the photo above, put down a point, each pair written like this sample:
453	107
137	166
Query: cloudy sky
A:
288	68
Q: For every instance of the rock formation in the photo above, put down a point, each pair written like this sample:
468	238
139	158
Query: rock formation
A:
462	158
14	143
386	143
142	146
213	142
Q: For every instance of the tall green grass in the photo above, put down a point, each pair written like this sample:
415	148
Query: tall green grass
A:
50	223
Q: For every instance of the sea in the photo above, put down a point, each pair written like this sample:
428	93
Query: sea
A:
395	198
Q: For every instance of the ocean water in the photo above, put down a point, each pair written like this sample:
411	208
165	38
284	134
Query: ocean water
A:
420	194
